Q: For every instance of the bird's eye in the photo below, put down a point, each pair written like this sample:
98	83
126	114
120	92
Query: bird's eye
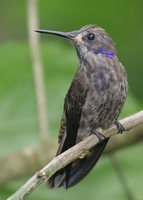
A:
90	36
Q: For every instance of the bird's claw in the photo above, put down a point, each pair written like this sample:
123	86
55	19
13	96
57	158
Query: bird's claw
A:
99	135
120	127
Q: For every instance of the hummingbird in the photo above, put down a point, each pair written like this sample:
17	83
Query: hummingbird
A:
93	102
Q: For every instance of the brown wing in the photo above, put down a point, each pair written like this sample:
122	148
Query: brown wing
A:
75	172
74	102
62	135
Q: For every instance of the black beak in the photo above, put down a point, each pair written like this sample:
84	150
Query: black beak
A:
68	35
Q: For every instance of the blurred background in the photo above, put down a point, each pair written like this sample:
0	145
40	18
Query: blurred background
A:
118	175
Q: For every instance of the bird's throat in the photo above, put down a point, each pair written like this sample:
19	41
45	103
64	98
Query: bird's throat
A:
103	51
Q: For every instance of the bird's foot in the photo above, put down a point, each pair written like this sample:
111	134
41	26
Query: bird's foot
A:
84	154
99	135
120	127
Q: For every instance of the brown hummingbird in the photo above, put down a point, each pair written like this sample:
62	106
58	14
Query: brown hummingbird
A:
94	100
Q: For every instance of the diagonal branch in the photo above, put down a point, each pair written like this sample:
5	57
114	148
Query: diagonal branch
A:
72	154
32	157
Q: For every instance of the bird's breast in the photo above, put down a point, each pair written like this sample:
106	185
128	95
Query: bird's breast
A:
107	91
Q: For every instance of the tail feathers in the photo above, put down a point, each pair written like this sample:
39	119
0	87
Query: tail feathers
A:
79	168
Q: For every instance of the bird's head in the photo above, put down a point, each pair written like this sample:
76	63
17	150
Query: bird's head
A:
89	38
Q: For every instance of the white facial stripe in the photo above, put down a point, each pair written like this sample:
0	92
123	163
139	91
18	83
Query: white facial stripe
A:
79	38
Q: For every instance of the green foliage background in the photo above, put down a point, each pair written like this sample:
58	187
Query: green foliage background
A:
18	113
